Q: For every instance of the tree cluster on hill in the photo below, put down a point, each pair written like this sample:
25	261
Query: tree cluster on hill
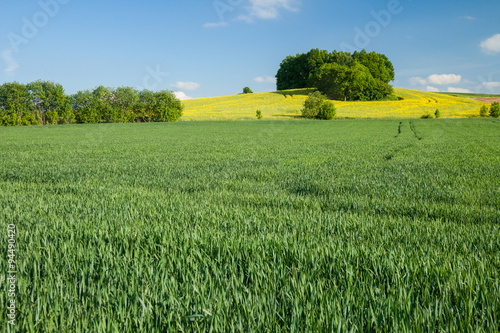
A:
45	102
362	76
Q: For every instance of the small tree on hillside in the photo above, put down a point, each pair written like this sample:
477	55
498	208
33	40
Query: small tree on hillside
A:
247	90
495	110
483	111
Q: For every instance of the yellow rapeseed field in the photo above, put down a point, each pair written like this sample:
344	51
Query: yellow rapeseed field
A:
287	105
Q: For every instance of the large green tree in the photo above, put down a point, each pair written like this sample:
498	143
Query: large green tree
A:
379	65
85	106
293	72
158	106
341	82
361	84
332	80
380	68
15	105
123	102
103	100
50	102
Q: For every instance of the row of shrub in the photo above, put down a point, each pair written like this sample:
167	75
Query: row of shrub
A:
437	114
45	102
493	111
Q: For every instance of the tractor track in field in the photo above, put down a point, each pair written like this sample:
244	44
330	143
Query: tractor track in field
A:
412	127
399	129
397	151
391	155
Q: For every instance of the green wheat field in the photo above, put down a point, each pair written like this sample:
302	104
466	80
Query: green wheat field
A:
270	226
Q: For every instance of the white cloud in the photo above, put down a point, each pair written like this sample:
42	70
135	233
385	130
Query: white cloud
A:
215	24
414	81
436	79
265	79
267	9
458	90
12	64
444	79
181	95
432	89
468	18
189	86
491	45
491	85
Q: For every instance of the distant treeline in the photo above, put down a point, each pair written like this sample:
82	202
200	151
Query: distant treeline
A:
45	102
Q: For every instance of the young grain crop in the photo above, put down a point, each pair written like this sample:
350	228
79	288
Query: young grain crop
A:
275	226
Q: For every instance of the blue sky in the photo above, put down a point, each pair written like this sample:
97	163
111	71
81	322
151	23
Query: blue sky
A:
203	48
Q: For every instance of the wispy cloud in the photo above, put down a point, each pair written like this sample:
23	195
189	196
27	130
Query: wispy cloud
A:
432	89
215	24
12	64
491	85
188	86
265	79
436	79
491	45
458	90
268	9
468	18
418	81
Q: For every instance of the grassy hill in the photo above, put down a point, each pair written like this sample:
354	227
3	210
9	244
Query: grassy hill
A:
287	105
